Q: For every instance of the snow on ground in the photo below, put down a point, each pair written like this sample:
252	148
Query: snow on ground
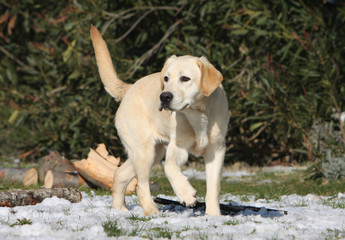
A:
201	175
232	175
309	217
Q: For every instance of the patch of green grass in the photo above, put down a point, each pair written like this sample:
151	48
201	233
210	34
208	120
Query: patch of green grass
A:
160	233
232	222
112	229
334	203
263	185
301	204
333	234
245	198
165	187
135	217
97	191
137	230
79	229
281	184
23	221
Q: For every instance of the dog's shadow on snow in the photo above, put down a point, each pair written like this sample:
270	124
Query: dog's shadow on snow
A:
248	211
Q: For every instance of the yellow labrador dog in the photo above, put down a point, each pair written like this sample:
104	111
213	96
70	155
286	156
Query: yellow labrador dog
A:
182	109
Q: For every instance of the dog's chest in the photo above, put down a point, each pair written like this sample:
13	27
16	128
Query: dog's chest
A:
190	131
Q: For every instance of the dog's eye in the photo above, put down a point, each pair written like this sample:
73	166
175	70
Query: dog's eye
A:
184	79
166	79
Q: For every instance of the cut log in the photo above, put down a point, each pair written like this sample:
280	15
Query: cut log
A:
132	186
22	176
54	161
58	179
99	169
33	196
226	209
96	170
46	163
102	151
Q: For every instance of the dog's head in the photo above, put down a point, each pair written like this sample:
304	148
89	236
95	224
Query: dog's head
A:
186	79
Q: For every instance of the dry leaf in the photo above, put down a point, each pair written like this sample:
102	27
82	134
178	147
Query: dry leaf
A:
4	17
11	24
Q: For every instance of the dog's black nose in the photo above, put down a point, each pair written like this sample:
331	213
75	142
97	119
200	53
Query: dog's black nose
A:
166	97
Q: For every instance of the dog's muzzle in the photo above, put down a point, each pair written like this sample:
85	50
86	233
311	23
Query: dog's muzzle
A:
166	98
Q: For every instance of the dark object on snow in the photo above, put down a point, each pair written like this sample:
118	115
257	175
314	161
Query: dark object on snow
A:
223	207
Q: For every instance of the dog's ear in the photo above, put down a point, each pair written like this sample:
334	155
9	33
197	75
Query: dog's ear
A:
210	76
164	68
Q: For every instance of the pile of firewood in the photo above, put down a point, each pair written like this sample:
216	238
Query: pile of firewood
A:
55	171
62	177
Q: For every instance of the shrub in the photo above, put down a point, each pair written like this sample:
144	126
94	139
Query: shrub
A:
281	62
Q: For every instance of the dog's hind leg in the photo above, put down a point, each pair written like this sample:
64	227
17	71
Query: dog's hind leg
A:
144	158
122	177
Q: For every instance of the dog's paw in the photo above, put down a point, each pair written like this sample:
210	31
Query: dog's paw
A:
213	211
150	210
121	207
187	196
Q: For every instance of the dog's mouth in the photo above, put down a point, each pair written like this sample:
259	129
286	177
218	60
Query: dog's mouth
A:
165	107
168	108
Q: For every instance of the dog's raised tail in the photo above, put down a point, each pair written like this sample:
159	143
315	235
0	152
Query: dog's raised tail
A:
114	86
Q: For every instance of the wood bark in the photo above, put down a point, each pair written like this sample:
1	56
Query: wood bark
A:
54	161
99	169
33	196
59	179
22	176
223	207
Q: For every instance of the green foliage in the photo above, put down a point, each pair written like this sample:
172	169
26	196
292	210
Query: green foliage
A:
270	186
112	229
135	217
281	62
334	167
232	222
328	150
23	221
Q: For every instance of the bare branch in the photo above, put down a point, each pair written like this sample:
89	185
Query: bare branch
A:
107	24
128	13
118	15
13	57
149	53
134	26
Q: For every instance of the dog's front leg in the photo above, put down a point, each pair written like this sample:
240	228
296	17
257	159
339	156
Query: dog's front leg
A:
175	158
214	159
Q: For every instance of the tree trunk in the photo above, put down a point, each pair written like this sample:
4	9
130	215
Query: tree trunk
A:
58	179
22	176
33	196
